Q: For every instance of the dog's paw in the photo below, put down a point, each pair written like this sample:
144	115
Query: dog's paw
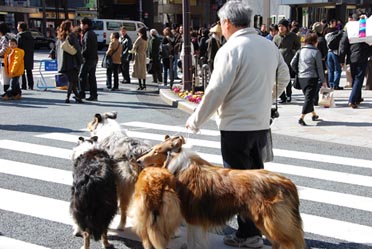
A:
121	227
77	232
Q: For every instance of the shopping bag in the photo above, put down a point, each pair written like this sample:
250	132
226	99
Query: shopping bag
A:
296	83
326	97
107	61
61	80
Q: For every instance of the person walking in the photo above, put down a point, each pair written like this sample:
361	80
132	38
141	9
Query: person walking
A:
14	68
69	64
288	43
242	100
114	50
26	42
154	55
87	73
166	56
4	45
359	53
214	44
307	63
139	52
126	57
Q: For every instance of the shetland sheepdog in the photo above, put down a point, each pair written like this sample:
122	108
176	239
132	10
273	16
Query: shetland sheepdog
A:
155	207
211	195
121	148
93	193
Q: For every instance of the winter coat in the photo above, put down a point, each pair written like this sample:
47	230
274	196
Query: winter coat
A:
4	44
89	48
14	62
114	50
358	53
288	44
26	42
70	62
139	66
127	45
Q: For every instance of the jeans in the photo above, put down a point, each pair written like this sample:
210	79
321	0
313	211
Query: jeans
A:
357	73
334	70
88	74
30	79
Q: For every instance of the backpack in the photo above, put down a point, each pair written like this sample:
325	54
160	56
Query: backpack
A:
333	39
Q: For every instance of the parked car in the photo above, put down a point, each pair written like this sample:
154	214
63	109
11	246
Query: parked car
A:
42	41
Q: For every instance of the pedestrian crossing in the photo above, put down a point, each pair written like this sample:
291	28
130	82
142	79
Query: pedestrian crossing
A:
343	226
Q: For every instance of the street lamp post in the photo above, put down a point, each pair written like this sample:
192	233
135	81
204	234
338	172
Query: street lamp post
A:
186	64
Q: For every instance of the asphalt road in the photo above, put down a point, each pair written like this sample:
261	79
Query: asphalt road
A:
39	131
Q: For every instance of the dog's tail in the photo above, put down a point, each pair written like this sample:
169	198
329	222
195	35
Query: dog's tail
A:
156	207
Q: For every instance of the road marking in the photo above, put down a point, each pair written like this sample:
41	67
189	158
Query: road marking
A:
65	177
8	243
57	211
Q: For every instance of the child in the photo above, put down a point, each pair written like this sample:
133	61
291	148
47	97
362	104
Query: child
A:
14	66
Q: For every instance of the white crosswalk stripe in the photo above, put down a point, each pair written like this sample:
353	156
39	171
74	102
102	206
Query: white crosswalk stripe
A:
57	210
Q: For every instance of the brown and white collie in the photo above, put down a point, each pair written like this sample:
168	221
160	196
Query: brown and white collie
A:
211	195
155	207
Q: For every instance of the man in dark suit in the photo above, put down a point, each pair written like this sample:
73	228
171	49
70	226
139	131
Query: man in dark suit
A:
126	57
26	42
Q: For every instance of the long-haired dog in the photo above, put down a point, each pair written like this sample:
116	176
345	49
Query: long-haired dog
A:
121	148
93	193
155	207
211	195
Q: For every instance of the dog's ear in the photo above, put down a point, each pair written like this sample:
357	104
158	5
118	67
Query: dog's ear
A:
166	137
94	138
111	115
81	140
98	117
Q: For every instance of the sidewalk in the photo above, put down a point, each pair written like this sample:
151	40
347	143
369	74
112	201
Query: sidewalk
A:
342	124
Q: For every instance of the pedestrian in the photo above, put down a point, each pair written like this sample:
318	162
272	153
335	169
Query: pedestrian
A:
14	68
333	38
126	57
288	43
241	100
87	73
176	39
307	63
26	42
139	53
203	46
263	30
4	44
359	53
322	46
69	64
114	50
273	31
214	44
154	55
166	56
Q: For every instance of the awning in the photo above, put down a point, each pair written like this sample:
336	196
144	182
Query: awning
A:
18	9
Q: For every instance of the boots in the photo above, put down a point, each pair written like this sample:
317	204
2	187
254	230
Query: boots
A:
144	85
140	85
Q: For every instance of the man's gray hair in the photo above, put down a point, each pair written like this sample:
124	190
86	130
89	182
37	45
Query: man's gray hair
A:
238	12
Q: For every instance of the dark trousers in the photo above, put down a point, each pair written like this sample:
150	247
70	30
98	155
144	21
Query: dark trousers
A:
243	150
309	88
357	73
73	79
125	70
288	92
30	80
109	71
88	72
14	87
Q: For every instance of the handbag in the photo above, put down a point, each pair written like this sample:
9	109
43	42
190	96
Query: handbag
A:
107	59
325	97
150	68
296	83
68	48
61	80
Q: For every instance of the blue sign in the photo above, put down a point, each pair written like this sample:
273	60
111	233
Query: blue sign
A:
50	65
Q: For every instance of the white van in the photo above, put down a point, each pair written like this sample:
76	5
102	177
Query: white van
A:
104	27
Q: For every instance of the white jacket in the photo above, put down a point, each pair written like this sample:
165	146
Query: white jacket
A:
241	87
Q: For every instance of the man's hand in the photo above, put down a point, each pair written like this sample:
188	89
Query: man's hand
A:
191	127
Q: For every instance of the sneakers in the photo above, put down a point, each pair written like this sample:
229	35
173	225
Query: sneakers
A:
254	242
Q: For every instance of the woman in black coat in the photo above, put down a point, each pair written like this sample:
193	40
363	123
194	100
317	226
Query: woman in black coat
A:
154	55
26	42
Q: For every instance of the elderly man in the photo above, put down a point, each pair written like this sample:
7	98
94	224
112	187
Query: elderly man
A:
240	92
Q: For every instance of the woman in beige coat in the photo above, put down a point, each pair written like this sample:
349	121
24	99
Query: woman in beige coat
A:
139	51
114	51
